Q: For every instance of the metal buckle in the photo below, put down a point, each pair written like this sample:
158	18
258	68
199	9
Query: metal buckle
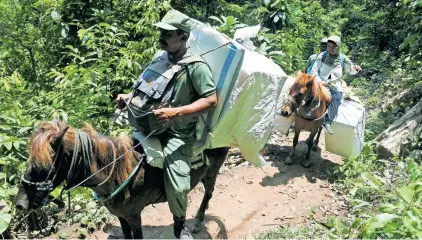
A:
47	186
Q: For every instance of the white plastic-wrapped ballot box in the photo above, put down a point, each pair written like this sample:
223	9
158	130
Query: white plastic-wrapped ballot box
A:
248	85
348	129
283	124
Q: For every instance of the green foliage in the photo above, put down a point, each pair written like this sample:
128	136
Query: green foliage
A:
227	25
384	202
72	57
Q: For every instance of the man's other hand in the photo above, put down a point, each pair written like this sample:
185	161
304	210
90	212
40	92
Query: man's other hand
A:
165	115
121	100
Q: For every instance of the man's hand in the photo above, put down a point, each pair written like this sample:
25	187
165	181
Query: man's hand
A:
121	100
165	115
357	67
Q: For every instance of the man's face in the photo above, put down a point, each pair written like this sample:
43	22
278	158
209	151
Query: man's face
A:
331	48
323	47
170	41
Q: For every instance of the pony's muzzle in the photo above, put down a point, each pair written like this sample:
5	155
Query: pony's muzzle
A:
21	200
22	205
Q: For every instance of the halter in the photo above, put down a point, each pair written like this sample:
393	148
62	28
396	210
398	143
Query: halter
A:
46	185
303	105
86	146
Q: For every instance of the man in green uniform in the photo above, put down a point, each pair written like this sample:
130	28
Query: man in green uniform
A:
194	94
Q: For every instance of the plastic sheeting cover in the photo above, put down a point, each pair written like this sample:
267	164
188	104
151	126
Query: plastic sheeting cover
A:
249	116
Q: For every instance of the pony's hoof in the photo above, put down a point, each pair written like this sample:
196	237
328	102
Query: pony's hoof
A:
306	163
288	160
197	226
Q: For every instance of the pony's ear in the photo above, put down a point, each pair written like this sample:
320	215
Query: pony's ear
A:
58	136
311	80
299	73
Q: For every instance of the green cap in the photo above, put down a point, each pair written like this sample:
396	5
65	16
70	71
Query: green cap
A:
174	20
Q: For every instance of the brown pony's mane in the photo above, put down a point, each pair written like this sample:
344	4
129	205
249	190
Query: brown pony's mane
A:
105	150
319	91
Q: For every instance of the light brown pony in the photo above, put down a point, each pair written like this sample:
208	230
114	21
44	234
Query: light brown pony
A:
308	98
60	153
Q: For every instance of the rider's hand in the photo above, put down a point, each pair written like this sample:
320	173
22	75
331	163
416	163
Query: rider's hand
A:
121	100
357	68
165	115
323	83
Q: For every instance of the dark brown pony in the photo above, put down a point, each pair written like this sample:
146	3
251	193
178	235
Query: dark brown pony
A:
52	161
308	98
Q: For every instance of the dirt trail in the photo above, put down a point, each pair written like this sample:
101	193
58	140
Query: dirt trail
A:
248	200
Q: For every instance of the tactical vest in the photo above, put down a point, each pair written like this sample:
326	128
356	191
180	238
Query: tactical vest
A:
154	89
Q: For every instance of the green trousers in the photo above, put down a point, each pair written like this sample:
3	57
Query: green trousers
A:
178	156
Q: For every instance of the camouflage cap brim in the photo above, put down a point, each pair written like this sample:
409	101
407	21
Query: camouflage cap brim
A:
165	26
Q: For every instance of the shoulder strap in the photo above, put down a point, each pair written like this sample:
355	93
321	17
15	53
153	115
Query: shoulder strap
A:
309	70
324	55
191	59
342	57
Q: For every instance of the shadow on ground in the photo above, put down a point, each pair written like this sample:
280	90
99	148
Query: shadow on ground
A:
166	232
321	168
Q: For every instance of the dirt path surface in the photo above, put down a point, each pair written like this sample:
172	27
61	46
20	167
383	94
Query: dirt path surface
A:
248	200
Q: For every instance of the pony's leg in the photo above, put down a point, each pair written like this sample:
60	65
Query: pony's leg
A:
216	158
307	162
135	223
127	231
315	146
289	159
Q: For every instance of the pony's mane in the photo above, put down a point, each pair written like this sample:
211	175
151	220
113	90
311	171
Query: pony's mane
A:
318	90
105	149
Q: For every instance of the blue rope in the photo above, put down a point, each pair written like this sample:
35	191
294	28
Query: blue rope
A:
120	188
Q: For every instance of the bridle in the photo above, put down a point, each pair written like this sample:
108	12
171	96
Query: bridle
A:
81	139
47	185
295	105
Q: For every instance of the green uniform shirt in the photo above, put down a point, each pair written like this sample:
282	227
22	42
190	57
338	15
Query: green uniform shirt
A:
189	87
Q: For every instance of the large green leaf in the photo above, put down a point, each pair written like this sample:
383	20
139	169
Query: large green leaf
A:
387	208
4	221
406	194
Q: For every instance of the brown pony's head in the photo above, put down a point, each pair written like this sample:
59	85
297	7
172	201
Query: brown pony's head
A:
45	152
52	150
303	89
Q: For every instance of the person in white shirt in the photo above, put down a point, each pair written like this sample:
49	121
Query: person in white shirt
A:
328	68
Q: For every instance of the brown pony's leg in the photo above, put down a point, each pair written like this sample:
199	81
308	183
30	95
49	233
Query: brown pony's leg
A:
307	163
315	146
289	159
127	231
135	223
216	157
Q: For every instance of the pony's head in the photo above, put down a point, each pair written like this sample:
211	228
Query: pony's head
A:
58	153
301	88
46	152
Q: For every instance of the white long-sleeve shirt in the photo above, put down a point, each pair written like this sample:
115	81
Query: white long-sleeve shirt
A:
332	73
